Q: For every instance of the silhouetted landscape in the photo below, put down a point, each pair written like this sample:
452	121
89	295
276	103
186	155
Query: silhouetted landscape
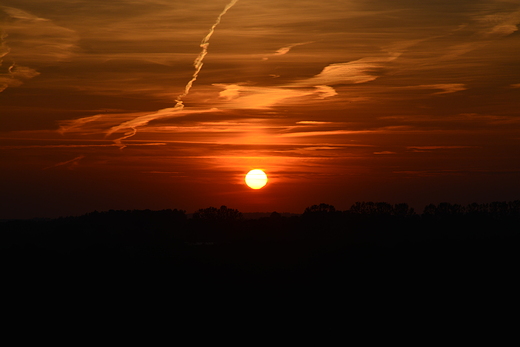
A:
376	239
286	270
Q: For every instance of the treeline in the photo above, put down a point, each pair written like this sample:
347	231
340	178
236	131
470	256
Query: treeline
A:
368	238
362	222
497	209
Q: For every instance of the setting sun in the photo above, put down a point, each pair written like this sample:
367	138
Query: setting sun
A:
256	179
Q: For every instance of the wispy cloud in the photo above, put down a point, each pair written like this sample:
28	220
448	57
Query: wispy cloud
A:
241	96
71	164
16	13
110	124
39	40
4	49
70	125
435	148
15	76
499	23
488	25
133	144
445	88
252	97
286	49
131	125
357	71
312	122
384	153
431	173
325	133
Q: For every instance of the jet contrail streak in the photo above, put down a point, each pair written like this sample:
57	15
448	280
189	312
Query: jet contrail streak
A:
179	105
200	58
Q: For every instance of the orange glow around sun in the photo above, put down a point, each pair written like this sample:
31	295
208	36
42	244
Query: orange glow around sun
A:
256	179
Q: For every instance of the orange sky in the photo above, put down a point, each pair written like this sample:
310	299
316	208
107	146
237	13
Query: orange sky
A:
338	101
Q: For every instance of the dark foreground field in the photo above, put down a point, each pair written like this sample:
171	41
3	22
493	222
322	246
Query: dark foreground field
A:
322	245
371	257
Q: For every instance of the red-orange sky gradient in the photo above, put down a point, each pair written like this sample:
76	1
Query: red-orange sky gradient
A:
337	101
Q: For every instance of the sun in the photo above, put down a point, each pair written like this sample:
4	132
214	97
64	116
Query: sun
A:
256	179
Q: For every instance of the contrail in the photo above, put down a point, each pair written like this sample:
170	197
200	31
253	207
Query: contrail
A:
179	105
200	58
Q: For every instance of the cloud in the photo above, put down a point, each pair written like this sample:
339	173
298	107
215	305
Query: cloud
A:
82	145
358	71
131	125
486	26
384	153
434	148
38	40
362	70
15	76
431	173
445	88
99	123
312	122
20	14
251	97
500	24
69	125
4	49
145	119
325	133
286	49
72	164
230	92
353	72
325	92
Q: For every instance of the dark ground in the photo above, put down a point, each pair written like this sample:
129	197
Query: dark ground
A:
351	264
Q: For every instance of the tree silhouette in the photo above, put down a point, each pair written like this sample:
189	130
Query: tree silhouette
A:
215	224
322	217
321	209
217	214
444	210
372	208
403	210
